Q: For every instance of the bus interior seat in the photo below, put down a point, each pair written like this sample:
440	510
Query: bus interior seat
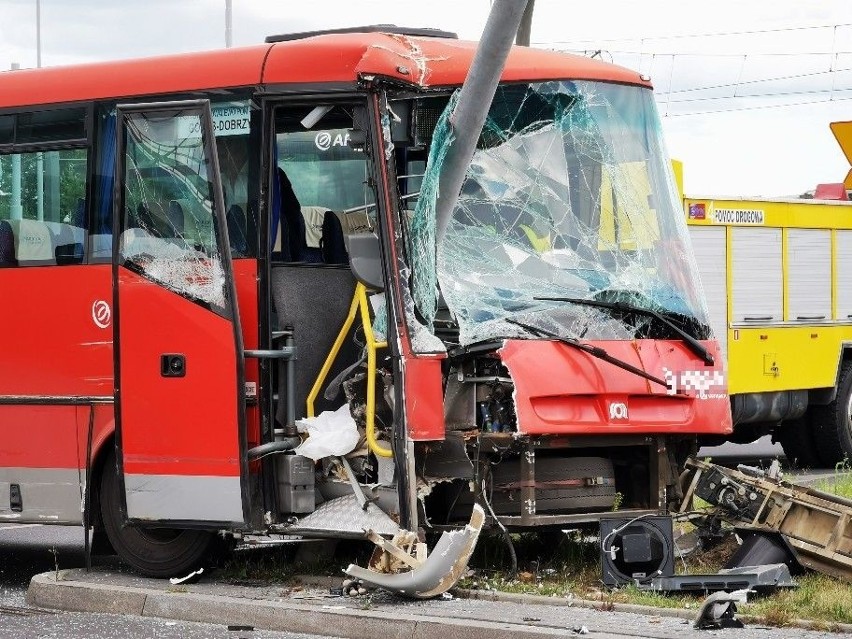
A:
314	301
291	227
176	217
33	243
143	219
78	215
333	243
236	223
70	253
7	245
68	242
100	246
311	249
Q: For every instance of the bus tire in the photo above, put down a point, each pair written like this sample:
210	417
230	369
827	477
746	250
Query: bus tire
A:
154	552
832	423
796	437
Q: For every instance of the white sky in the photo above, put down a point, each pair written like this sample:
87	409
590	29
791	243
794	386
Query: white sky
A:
730	142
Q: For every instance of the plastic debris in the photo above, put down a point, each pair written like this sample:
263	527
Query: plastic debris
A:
191	578
719	610
331	433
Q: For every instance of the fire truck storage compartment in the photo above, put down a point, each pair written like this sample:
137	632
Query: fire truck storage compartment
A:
314	300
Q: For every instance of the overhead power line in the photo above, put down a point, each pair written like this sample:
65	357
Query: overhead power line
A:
757	107
684	36
689	54
779	78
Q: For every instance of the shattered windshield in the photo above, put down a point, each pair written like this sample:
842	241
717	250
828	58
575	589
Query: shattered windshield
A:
569	195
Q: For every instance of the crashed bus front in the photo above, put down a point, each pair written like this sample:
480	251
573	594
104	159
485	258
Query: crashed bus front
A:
576	359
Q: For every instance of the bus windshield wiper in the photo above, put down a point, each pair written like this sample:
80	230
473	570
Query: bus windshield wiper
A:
594	351
694	345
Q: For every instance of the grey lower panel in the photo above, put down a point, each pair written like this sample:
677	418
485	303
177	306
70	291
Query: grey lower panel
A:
48	495
184	498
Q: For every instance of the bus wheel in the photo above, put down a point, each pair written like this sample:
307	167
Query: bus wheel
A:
833	422
154	552
796	437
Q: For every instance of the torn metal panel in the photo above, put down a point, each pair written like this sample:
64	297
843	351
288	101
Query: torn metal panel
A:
814	523
439	572
447	460
569	195
766	578
412	63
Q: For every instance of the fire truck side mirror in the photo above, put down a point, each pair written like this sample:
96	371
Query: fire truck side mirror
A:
365	259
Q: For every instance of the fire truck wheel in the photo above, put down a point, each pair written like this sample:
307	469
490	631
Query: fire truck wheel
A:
832	423
796	437
154	552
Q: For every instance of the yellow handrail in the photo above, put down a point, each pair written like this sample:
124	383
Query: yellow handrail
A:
359	302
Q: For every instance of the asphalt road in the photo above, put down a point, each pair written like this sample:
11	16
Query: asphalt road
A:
26	550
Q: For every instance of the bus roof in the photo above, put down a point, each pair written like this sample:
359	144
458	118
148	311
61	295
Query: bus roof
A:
339	58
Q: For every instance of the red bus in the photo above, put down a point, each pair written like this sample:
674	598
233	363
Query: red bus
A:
200	253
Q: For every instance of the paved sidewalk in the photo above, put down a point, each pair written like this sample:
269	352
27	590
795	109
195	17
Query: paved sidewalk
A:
315	610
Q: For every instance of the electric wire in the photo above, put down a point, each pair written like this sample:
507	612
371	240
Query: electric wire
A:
709	54
780	78
686	36
777	94
756	108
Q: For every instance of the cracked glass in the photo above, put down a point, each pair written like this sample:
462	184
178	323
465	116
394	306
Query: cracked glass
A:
169	229
569	196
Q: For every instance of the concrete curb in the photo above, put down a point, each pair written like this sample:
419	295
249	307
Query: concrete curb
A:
79	596
592	604
677	613
72	592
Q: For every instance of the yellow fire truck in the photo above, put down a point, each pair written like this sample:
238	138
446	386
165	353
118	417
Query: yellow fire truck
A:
777	275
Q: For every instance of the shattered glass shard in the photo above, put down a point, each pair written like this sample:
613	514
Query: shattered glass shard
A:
570	195
170	229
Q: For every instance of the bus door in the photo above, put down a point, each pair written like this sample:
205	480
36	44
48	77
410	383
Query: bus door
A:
178	355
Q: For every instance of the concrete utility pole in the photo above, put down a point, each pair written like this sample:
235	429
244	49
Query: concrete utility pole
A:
525	30
229	23
38	34
477	92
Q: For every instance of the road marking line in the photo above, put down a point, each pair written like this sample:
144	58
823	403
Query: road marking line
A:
16	526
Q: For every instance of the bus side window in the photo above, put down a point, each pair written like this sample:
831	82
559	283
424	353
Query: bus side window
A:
173	206
321	181
43	205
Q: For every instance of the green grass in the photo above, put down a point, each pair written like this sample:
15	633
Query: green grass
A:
840	483
570	566
554	564
818	598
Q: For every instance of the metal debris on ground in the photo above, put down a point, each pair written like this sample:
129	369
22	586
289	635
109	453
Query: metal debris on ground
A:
413	574
719	610
787	518
191	578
